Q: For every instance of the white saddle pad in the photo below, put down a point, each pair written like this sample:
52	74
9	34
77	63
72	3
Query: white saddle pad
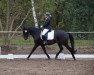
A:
50	35
44	31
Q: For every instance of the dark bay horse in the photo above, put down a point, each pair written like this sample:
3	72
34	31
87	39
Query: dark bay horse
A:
60	37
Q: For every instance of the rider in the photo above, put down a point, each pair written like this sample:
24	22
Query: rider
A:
47	26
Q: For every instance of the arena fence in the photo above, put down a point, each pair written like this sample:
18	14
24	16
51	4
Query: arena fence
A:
43	56
17	39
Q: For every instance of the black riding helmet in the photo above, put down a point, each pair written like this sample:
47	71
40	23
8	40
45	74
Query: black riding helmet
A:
48	14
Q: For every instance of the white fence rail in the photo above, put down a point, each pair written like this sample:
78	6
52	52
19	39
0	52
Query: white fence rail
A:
21	32
43	56
5	32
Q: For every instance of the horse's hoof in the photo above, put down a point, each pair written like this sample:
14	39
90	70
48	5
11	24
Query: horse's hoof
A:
49	58
27	58
74	59
56	58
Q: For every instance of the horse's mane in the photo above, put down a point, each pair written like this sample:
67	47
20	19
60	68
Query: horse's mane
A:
34	28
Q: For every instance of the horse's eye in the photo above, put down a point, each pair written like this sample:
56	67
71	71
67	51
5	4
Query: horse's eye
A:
25	31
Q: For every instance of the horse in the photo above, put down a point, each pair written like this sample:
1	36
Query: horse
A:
60	37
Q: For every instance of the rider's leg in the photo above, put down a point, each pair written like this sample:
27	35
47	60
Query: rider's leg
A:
45	36
45	39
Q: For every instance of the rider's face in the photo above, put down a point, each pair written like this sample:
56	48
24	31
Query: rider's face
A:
46	16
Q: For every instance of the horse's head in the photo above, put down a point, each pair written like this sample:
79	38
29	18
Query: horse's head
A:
34	32
25	33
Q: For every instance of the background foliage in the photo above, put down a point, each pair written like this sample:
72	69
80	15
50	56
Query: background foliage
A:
69	15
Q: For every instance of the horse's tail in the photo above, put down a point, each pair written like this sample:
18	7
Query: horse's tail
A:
71	41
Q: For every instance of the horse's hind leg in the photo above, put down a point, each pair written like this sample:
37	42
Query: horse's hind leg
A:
43	47
61	48
71	50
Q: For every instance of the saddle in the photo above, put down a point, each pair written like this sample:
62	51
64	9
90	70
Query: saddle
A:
49	35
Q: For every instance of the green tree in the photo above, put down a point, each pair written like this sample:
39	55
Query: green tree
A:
78	15
12	16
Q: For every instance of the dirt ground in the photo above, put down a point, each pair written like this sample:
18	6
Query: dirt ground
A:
47	67
50	50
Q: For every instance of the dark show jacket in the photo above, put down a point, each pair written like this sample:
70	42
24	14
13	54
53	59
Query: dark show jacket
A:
47	24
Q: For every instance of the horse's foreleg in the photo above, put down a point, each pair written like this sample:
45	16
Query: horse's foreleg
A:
61	48
44	49
35	46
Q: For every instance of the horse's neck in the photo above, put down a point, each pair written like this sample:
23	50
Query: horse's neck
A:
35	32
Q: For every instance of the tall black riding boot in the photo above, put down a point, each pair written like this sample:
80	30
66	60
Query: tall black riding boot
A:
45	40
